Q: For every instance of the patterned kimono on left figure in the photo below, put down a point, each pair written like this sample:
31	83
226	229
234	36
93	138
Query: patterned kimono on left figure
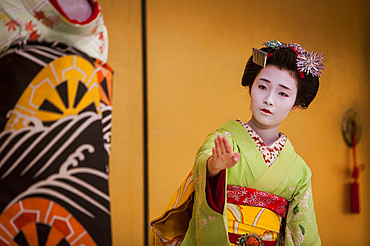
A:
288	178
55	120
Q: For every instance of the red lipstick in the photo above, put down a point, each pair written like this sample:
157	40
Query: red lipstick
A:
265	110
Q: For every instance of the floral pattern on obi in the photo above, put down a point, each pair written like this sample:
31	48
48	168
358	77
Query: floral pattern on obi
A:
247	196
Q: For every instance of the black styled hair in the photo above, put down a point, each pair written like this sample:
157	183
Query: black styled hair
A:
285	59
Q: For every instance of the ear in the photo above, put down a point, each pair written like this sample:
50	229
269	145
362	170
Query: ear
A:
294	107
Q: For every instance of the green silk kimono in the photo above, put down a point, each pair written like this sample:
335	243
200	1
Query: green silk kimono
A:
288	177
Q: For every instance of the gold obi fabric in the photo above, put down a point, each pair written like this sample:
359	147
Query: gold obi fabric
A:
243	219
254	212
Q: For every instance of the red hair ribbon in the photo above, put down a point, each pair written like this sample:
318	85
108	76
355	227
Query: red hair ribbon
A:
301	74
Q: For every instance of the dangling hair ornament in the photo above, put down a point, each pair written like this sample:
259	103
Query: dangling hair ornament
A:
309	63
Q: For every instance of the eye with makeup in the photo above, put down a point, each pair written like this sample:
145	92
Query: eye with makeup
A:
262	87
283	94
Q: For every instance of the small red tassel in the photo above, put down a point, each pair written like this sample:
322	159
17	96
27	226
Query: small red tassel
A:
355	204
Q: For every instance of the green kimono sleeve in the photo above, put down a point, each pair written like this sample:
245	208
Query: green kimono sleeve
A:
206	227
301	227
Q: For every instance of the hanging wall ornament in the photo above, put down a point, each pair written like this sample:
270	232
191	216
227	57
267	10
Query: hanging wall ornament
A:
351	125
351	131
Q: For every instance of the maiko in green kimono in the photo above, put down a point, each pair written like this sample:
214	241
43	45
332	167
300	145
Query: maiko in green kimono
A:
248	185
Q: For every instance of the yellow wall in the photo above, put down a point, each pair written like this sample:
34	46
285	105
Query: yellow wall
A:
126	180
196	55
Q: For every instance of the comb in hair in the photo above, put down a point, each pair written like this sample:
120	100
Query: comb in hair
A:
259	57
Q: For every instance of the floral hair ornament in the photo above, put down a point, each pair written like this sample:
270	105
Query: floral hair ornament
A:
309	63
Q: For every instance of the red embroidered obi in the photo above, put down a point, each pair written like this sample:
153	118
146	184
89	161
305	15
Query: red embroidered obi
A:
247	196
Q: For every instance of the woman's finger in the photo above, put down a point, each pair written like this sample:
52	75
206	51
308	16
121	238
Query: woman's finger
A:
222	145
217	147
214	153
236	157
227	145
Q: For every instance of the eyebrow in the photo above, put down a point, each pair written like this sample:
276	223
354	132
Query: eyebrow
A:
281	85
285	87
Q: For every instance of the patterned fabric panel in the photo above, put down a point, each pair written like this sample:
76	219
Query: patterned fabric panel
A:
243	219
247	196
55	120
170	228
40	21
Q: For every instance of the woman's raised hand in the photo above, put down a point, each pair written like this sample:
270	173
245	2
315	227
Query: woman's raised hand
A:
223	156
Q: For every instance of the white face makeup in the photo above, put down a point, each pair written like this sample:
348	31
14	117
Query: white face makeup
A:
273	95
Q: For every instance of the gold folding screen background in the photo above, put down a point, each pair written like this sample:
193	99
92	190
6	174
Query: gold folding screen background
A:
126	168
196	55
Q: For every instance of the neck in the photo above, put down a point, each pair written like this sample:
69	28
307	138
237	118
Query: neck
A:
268	134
